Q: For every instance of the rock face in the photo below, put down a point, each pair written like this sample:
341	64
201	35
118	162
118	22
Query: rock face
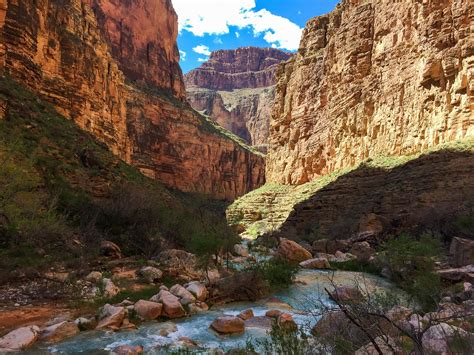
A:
242	68
236	89
373	78
143	44
118	77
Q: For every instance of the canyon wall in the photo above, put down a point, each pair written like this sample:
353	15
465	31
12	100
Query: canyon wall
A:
112	67
236	89
373	78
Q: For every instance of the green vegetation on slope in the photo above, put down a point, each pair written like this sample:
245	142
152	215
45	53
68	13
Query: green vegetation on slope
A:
267	207
62	192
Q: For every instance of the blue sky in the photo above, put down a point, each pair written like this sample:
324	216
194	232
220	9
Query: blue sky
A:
208	25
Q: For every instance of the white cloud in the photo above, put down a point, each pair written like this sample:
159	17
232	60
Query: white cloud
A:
218	40
214	17
182	55
202	49
201	60
237	34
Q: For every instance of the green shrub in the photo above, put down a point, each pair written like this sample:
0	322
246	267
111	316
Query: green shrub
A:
281	341
411	263
278	272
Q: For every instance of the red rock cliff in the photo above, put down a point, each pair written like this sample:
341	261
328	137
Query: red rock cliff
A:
248	67
142	37
236	88
78	59
373	78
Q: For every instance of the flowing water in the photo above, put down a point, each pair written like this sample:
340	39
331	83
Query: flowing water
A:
301	300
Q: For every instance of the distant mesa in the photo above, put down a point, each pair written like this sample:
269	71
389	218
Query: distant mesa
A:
236	88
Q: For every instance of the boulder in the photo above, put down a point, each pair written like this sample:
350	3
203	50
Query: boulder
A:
241	250
465	273
439	338
228	325
316	263
292	251
362	251
127	325
245	315
273	313
110	249
167	329
198	290
111	317
19	339
195	308
185	297
128	350
109	288
186	342
461	252
334	326
148	310
347	294
58	332
150	274
242	286
94	277
285	321
172	308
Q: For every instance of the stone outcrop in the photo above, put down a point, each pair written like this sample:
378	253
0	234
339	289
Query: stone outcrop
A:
373	78
242	68
118	77
236	89
428	192
142	37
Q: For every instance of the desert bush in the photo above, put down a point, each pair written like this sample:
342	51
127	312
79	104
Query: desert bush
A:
282	341
278	272
411	263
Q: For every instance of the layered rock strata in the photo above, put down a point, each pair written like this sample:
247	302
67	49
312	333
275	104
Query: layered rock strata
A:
236	89
373	78
118	77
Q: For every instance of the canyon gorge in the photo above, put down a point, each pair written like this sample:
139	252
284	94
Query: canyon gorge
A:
262	195
120	80
236	88
373	85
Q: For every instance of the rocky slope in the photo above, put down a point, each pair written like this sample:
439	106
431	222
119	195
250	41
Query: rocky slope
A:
374	83
373	78
236	89
118	77
433	191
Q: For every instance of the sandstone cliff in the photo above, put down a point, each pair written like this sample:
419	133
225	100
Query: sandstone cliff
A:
118	77
373	78
248	67
236	89
433	191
